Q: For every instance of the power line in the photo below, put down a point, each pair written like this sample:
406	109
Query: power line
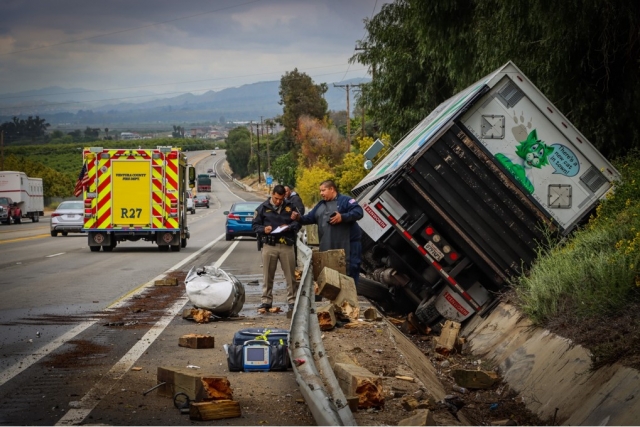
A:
127	30
363	35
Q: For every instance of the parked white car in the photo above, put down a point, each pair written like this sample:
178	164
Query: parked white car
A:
191	206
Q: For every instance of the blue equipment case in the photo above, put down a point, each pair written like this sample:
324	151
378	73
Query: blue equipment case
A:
278	348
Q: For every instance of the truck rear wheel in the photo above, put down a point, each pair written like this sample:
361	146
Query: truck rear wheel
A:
107	248
175	248
371	289
64	233
183	243
163	248
35	217
94	248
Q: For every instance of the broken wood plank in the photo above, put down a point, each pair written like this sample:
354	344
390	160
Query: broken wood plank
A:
167	281
421	418
409	403
357	381
329	283
474	379
326	317
343	357
347	300
196	341
215	410
448	338
199	315
334	258
355	325
420	364
312	234
197	385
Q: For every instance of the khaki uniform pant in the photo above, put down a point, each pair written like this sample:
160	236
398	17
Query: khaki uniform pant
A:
270	257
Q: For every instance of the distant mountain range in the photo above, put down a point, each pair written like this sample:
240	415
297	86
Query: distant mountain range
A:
99	108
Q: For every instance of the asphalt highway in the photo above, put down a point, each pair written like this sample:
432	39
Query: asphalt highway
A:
56	295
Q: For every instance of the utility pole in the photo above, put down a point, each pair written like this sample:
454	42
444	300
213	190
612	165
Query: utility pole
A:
1	150
258	148
251	139
268	154
347	86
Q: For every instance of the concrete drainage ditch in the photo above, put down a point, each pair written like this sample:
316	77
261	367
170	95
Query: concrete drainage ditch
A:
552	374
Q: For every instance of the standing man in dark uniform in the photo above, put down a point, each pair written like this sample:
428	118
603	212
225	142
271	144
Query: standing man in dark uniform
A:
336	216
270	215
294	198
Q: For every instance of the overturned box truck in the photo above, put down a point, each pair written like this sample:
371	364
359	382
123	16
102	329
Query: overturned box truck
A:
460	204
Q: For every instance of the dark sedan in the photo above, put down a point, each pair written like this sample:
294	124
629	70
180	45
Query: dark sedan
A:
239	219
201	201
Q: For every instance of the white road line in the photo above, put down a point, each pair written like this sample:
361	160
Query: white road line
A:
90	400
27	361
51	256
226	186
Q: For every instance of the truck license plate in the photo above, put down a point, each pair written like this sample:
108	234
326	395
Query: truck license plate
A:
434	251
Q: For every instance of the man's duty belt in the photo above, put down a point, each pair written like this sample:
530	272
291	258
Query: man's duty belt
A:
273	240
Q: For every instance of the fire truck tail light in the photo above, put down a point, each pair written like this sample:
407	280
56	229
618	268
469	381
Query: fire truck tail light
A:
453	256
429	231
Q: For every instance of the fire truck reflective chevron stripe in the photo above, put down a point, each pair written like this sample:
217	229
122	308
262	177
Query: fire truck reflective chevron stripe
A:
454	284
171	190
113	174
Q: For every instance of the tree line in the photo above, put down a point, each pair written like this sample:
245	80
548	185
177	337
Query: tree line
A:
583	55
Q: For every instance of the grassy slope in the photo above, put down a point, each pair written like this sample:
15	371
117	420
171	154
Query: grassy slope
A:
583	288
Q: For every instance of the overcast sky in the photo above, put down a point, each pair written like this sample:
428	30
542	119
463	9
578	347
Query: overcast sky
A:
171	46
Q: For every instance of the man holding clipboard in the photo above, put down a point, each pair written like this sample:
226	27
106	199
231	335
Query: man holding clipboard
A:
273	225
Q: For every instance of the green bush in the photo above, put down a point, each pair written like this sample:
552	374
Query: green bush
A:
597	270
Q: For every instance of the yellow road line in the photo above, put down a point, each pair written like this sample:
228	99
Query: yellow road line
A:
15	230
39	236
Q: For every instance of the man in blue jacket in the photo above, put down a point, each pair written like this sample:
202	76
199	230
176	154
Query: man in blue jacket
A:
336	216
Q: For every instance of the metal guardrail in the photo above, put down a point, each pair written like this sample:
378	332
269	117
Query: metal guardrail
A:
323	395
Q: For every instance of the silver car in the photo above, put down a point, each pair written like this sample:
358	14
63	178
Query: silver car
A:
68	217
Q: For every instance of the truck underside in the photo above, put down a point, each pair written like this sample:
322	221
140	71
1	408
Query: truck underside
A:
453	189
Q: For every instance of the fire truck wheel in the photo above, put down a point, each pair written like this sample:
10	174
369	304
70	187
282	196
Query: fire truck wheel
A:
94	248
183	243
107	248
175	248
163	248
64	233
54	233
